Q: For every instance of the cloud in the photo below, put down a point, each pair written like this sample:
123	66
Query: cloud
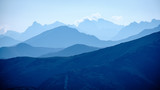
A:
3	29
94	16
117	18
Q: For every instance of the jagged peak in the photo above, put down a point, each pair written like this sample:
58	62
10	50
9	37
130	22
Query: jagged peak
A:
36	23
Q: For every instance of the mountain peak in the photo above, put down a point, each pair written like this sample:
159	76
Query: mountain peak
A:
64	28
58	22
134	23
35	23
155	20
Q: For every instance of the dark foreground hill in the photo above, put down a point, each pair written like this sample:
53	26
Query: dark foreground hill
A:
132	65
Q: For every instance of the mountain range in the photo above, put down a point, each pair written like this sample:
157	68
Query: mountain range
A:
11	42
10	52
101	28
90	42
62	37
143	33
135	28
33	30
129	66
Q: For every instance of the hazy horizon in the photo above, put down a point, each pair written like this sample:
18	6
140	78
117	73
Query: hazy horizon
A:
17	15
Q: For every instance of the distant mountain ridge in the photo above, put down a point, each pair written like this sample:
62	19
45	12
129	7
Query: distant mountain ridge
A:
145	32
101	28
111	43
135	28
33	30
64	36
101	44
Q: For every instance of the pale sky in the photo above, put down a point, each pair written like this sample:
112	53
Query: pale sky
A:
19	14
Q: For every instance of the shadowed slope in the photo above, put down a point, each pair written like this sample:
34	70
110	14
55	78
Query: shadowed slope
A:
131	65
72	50
23	49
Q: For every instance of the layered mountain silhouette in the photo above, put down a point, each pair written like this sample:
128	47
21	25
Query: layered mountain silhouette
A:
7	41
108	43
35	29
135	28
23	49
72	50
131	65
100	28
64	36
145	32
139	35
